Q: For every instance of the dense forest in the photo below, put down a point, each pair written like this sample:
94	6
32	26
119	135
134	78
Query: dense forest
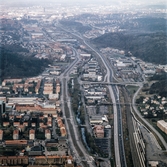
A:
14	65
145	37
160	86
150	47
152	24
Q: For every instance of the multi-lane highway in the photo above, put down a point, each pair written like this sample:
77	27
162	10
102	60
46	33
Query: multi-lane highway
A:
74	141
109	79
118	135
120	159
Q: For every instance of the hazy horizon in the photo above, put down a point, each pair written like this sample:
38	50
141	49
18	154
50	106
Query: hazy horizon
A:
81	2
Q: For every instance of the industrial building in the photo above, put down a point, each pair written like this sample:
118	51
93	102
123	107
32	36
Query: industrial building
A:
162	125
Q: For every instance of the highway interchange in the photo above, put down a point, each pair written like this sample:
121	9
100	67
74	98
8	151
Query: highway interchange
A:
109	80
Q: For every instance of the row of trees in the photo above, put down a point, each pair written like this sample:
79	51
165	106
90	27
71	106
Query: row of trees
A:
75	94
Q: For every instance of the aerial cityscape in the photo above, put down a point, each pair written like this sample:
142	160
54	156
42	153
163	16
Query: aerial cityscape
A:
83	83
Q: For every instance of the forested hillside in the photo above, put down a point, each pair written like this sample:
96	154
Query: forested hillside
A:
151	47
13	65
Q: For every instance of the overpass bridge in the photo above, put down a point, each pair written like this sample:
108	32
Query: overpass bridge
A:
111	83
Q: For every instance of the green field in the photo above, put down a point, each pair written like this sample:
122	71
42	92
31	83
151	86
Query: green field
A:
132	89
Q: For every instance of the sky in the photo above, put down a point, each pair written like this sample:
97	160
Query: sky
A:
81	2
